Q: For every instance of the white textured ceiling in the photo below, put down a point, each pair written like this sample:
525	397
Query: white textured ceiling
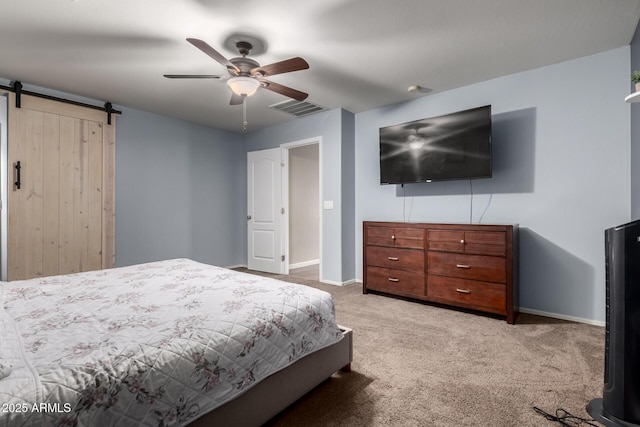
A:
363	54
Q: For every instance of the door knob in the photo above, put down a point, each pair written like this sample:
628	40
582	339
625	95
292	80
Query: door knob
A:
248	217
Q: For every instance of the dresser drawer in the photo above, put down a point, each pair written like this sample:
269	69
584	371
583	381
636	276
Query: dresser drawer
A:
469	293
485	242
396	282
474	267
398	258
446	240
470	242
404	237
382	236
409	238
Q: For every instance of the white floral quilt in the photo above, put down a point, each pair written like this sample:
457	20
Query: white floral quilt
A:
156	344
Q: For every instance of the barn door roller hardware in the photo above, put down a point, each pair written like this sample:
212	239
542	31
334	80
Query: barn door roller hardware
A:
109	109
16	87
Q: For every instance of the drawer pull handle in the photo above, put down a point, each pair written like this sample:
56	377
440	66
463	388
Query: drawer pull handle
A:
393	237
463	266
393	279
462	241
463	291
393	258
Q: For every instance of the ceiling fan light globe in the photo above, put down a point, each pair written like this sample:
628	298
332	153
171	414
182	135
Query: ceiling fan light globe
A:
243	86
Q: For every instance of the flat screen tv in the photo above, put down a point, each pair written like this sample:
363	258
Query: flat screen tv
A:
452	146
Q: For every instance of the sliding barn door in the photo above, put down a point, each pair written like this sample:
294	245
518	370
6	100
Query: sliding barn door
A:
61	189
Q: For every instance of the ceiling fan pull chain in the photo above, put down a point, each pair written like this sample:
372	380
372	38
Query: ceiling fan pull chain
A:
244	112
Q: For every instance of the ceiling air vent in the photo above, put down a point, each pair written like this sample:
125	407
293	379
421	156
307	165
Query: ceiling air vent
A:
297	108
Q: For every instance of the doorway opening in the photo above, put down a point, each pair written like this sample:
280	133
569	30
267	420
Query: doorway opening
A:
302	195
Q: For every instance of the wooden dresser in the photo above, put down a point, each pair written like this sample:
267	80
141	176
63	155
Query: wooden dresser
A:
473	266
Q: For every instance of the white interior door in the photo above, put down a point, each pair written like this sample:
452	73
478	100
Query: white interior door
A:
264	211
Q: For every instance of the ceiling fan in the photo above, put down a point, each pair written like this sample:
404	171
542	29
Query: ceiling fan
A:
247	75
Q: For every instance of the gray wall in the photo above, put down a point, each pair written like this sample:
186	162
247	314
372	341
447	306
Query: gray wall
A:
348	197
561	170
179	191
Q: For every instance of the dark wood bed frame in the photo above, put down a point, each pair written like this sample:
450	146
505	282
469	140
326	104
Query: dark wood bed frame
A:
275	393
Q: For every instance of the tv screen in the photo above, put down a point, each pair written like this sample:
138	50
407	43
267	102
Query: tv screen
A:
453	146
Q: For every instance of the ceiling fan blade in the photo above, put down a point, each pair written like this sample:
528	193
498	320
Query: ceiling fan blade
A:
283	90
192	76
236	99
286	66
204	46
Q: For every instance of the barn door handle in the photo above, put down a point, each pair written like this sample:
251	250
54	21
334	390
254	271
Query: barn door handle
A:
18	167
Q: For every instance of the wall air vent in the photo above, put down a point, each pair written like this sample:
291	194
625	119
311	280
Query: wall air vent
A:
297	108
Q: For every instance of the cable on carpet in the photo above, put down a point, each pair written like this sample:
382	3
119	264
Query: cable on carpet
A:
565	418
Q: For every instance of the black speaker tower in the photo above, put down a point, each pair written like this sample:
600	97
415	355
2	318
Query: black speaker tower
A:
620	402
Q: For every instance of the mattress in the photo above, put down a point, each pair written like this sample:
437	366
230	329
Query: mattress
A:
157	344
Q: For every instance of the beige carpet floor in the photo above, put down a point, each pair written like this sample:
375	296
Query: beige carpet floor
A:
421	365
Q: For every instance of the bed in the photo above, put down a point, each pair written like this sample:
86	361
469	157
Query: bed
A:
170	343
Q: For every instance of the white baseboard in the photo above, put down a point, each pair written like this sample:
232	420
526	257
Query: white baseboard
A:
304	264
562	317
334	283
